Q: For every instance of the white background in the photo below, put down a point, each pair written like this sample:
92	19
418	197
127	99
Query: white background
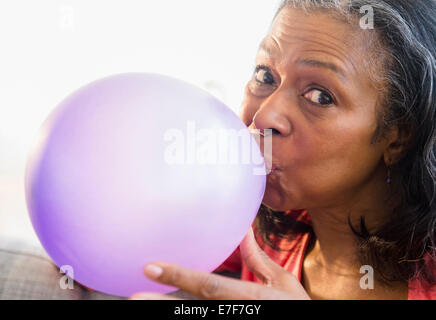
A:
50	48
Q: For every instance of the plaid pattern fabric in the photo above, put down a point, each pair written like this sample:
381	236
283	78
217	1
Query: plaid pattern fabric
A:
27	273
291	259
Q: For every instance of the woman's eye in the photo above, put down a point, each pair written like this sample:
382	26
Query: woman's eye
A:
319	97
263	75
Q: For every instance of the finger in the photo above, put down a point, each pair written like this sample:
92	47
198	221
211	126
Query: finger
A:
152	296
207	285
258	262
265	269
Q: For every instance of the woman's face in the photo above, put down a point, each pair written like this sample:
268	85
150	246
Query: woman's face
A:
312	86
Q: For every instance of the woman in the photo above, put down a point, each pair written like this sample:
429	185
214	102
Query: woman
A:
349	210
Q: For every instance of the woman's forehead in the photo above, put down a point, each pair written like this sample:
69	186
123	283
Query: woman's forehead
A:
296	35
332	22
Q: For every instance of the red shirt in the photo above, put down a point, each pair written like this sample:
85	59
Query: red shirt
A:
292	258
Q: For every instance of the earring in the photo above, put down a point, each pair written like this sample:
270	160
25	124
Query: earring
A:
388	179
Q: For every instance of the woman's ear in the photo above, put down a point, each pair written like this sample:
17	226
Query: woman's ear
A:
398	141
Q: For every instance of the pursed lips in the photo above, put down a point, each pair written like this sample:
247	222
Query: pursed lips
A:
270	165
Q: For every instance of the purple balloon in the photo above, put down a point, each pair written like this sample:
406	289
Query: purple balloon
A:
122	174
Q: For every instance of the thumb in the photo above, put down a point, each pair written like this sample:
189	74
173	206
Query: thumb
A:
258	262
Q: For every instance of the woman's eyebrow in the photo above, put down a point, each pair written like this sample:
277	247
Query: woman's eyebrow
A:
271	52
323	64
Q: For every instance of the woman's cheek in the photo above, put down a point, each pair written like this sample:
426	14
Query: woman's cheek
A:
249	106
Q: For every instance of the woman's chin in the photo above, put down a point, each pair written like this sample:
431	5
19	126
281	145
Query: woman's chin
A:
273	200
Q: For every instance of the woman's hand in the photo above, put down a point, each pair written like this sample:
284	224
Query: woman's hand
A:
278	283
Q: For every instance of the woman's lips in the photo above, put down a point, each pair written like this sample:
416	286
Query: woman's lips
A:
270	166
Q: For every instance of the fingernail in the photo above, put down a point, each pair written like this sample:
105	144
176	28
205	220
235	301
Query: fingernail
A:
153	271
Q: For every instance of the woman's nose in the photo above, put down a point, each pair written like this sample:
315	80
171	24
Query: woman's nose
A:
270	117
